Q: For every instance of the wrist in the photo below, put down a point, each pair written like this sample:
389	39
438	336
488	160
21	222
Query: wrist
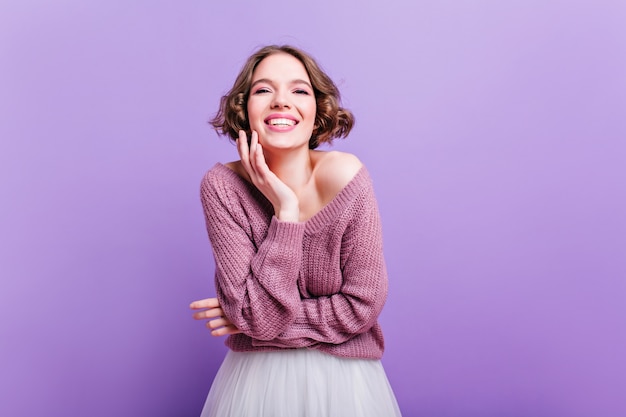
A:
287	214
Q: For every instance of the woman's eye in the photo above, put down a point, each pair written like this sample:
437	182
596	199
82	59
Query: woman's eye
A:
300	91
261	91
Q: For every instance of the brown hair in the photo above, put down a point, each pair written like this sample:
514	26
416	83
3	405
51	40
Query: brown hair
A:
331	120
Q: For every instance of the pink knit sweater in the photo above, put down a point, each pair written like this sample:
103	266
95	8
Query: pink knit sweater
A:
318	284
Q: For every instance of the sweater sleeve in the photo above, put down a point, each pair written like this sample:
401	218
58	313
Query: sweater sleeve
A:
355	308
256	287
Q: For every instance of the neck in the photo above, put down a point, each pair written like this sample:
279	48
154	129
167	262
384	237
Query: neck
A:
293	168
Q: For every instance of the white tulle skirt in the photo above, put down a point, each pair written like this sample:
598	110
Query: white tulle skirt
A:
299	383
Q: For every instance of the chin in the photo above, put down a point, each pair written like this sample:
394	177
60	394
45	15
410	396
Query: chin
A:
283	141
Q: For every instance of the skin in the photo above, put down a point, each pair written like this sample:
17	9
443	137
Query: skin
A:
298	181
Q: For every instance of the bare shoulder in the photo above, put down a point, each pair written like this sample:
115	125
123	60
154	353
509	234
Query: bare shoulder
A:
334	170
233	166
238	168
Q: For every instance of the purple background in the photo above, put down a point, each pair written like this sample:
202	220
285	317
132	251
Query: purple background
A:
494	130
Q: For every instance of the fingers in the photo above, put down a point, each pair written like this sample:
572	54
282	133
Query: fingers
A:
210	309
208	314
226	330
258	161
254	143
247	152
204	303
244	150
221	326
252	158
218	322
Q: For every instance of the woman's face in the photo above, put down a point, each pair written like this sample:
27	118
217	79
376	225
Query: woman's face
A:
281	105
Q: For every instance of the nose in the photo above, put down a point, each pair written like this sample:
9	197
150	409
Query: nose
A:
280	100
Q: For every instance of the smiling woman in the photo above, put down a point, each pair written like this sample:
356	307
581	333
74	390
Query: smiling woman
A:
281	105
300	274
331	120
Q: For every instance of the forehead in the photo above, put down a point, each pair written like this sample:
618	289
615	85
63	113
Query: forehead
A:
280	66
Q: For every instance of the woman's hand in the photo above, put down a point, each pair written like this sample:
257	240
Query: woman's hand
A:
210	309
284	200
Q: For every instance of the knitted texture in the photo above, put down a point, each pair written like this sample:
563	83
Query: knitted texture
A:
318	284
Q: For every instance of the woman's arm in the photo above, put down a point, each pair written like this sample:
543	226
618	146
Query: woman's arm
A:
256	286
355	309
338	317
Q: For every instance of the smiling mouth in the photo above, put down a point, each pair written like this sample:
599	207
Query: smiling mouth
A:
281	122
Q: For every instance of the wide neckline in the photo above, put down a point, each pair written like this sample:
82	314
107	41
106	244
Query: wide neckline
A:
323	215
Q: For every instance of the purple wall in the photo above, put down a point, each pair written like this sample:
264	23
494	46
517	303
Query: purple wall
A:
495	132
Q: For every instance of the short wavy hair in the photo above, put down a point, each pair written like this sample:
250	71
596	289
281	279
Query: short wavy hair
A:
331	119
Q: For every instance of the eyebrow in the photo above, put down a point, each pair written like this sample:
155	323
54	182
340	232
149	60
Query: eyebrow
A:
268	81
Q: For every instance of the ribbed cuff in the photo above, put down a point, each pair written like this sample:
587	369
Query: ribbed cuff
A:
285	232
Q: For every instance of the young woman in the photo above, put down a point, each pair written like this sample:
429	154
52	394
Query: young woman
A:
296	234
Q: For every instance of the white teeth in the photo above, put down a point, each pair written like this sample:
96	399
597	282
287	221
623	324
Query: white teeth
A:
281	122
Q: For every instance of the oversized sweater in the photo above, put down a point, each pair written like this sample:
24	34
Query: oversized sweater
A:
317	284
